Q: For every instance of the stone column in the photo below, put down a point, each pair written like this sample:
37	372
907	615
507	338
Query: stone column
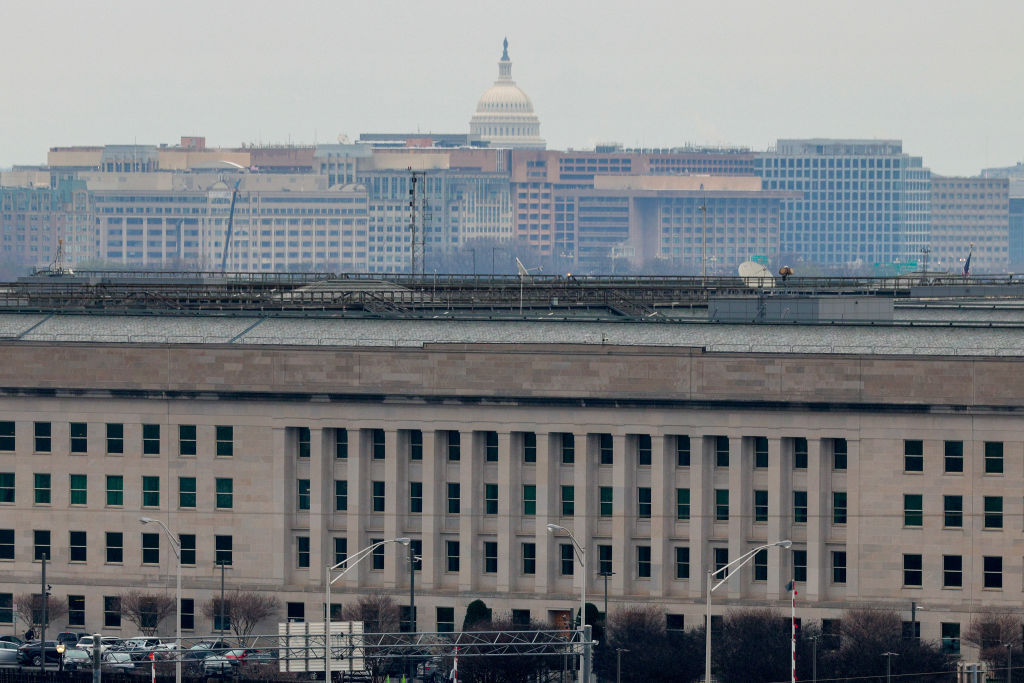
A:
740	505
471	547
623	519
779	493
433	507
818	508
395	558
319	505
545	476
509	504
702	500
662	516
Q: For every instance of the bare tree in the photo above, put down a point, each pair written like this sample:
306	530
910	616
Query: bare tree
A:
146	610
30	609
243	611
992	633
380	615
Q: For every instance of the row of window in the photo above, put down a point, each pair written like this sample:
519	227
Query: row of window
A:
78	434
952	511
78	490
953	571
78	547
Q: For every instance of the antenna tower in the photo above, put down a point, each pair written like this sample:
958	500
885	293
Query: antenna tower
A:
418	215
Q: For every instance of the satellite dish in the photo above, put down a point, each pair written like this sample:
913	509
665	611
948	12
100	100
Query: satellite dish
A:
756	274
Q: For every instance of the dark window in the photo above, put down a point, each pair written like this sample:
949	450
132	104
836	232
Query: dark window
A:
721	505
605	449
993	571
760	506
838	566
6	608
761	565
42	437
341	495
913	455
604	559
151	548
529	558
186	492
451	550
800	507
490	557
491	446
415	496
839	507
643	561
950	633
302	494
799	566
223	550
225	440
186	439
721	559
606	494
682	562
643	450
7	487
377	444
490	499
682	451
911	570
115	490
6	544
674	622
151	439
721	451
454	498
454	445
800	453
341	443
225	492
993	457
567	559
954	456
529	447
111	611
993	512
415	444
188	549
568	448
188	614
913	509
302	552
683	504
151	492
643	502
76	610
6	436
521	617
953	511
839	454
302	438
41	483
340	549
77	546
952	571
529	500
377	496
296	612
445	619
79	437
761	452
115	438
115	547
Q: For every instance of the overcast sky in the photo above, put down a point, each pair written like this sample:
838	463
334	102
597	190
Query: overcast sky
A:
945	77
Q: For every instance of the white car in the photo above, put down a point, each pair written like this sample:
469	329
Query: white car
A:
86	643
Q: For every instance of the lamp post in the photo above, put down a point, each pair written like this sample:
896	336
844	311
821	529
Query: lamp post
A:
345	565
581	555
176	547
888	664
709	588
618	663
604	575
1009	662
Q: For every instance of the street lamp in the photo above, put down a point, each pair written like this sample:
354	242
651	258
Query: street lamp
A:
605	575
345	565
175	543
738	562
1009	662
618	663
581	555
888	664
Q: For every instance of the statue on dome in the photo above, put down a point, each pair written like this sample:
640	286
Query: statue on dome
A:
504	55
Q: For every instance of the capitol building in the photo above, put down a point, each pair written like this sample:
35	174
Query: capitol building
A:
504	115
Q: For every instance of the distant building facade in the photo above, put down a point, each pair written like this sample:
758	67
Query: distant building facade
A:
504	115
970	215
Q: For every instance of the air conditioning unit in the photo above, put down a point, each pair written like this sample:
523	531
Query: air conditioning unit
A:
971	672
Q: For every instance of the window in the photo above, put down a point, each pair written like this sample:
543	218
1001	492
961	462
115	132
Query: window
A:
568	501
222	617
222	550
912	571
761	565
115	490
800	566
529	500
341	494
7	608
682	561
675	622
41	489
605	449
952	571
913	509
721	505
839	566
111	611
454	445
839	454
76	610
225	440
186	440
721	451
151	548
6	436
643	450
445	619
302	552
567	559
993	571
341	444
451	552
340	549
415	496
151	492
950	633
188	548
225	490
377	444
521	617
993	457
761	452
490	499
529	447
151	439
606	494
953	511
454	498
682	451
993	512
490	557
186	492
529	558
302	494
377	496
721	559
41	544
643	502
6	544
79	437
683	504
604	559
6	487
77	546
115	439
954	456
115	547
188	614
913	456
491	446
839	507
568	448
42	437
643	561
800	453
302	442
760	506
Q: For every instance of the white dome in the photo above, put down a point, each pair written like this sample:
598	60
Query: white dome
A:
504	114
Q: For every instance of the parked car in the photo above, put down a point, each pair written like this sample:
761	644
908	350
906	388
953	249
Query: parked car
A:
32	653
11	639
70	638
8	652
114	661
218	665
85	643
77	660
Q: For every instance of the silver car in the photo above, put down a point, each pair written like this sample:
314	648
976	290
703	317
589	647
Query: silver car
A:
114	661
8	652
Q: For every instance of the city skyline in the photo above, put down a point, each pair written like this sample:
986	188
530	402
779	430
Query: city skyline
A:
936	75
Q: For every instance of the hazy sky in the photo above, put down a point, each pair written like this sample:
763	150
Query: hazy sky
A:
945	77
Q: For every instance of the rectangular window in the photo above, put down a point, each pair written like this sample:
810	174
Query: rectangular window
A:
415	496
151	548
451	553
341	494
529	558
225	440
568	501
186	440
302	552
605	449
761	452
675	622
761	565
111	611
415	444
721	559
151	492
760	506
41	483
188	614
41	544
186	492
529	500
76	610
721	505
6	436
993	571
302	494
151	439
302	442
993	457
839	566
606	494
378	444
445	619
6	487
568	448
993	512
115	439
682	451
800	453
490	557
912	571
643	502
115	547
839	507
341	443
643	561
682	562
913	455
77	546
6	544
800	566
377	496
79	437
954	456
454	498
188	549
115	490
491	446
567	560
800	507
839	454
721	451
953	511
643	450
952	571
604	559
529	447
683	504
222	550
950	633
225	492
913	509
340	549
490	499
454	445
42	437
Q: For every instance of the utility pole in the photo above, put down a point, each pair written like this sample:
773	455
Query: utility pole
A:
44	593
417	215
222	606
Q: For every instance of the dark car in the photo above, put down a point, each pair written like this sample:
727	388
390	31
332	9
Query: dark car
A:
77	660
31	653
12	639
69	638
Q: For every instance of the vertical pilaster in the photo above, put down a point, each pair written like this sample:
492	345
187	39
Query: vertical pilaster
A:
662	491
740	469
319	510
779	565
701	501
817	511
546	481
624	516
394	490
853	507
358	498
471	548
433	549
